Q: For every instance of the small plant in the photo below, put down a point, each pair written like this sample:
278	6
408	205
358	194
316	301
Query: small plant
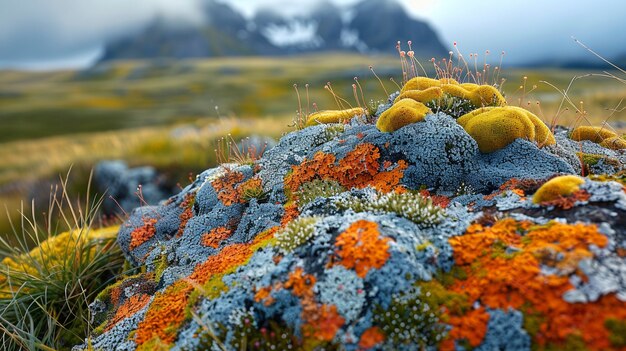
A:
45	292
252	189
296	233
243	153
411	206
451	105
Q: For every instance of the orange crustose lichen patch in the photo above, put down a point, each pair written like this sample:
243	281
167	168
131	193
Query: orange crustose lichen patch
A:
519	186
568	202
263	294
320	321
291	213
324	324
229	257
438	200
128	308
215	237
300	284
142	234
187	206
361	248
225	187
165	314
371	337
358	169
501	278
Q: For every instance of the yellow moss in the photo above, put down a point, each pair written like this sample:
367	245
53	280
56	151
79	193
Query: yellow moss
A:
403	112
556	187
424	95
420	83
595	134
484	95
496	127
424	89
614	143
333	116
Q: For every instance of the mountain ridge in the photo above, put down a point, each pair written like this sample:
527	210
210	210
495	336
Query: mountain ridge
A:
226	32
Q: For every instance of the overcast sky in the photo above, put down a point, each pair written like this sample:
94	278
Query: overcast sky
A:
60	33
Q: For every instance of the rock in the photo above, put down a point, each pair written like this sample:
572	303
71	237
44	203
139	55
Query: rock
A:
342	236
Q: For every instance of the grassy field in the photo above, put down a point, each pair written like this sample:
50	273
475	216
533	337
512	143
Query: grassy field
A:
136	110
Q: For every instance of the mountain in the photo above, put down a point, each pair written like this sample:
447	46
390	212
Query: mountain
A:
370	26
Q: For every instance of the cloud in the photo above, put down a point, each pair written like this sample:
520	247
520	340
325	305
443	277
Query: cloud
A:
45	29
39	31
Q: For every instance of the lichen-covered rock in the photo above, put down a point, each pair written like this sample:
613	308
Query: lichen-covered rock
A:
345	237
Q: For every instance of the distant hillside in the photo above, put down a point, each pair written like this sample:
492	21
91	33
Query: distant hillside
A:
370	26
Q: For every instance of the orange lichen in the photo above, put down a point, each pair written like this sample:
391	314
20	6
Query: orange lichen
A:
225	187
263	294
230	256
324	324
361	248
165	315
519	186
291	213
371	337
438	200
187	206
501	278
214	237
301	284
321	322
568	202
128	308
471	327
144	233
358	169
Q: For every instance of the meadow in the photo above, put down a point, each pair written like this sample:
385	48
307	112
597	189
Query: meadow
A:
172	114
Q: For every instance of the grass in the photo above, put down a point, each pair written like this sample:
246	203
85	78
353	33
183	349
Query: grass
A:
24	164
45	292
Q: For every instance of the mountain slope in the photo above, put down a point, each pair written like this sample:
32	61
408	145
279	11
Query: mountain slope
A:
370	26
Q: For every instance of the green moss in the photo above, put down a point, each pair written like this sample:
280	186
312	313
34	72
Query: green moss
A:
619	177
409	205
449	278
436	295
160	266
617	330
332	130
573	342
410	320
501	250
318	188
296	233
